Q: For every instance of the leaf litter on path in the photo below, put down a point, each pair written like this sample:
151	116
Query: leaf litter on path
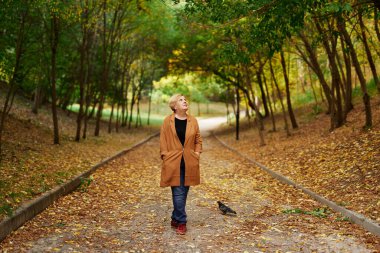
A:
32	165
124	210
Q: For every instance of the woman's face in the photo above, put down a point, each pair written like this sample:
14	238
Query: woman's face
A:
181	104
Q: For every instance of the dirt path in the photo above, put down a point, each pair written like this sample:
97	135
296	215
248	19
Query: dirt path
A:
124	210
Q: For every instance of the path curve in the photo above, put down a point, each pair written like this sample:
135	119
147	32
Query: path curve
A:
207	125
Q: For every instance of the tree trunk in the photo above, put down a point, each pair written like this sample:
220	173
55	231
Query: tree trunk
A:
280	98
125	120
366	97
253	105
342	74
312	85
287	86
132	105
377	4
138	116
263	96
343	86
348	94
237	115
301	75
15	76
86	113
314	65
104	74
376	24
247	114
54	45
82	74
150	101
270	104
110	118
336	112
4	114
89	91
124	89
117	117
246	92
368	52
37	99
227	102
258	117
107	58
127	83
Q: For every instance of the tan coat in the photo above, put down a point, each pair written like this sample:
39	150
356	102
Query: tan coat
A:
171	152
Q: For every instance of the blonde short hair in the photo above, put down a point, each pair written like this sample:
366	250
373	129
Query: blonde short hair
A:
173	101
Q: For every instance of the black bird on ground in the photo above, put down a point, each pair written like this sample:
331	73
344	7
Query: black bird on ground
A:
225	209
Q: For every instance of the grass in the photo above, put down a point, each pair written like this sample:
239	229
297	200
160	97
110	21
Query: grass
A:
159	111
308	97
322	212
371	88
304	98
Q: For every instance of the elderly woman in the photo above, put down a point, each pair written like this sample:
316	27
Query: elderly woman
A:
180	148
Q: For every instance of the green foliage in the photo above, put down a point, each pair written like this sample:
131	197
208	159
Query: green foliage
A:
371	88
14	196
304	98
292	211
148	35
336	8
60	224
154	39
61	176
317	109
318	212
194	87
343	218
6	209
85	183
3	183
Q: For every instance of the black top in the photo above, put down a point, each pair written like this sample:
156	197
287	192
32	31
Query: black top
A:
180	127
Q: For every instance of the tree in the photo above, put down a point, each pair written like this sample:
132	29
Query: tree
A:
16	18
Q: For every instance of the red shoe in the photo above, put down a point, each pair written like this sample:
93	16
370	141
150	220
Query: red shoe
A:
181	229
174	224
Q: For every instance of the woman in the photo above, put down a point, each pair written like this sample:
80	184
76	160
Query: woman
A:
180	148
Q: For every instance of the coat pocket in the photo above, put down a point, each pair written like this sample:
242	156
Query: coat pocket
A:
194	154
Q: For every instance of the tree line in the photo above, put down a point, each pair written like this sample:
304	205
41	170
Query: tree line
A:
87	52
98	53
258	46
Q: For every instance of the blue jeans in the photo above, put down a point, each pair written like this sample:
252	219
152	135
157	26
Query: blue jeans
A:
179	194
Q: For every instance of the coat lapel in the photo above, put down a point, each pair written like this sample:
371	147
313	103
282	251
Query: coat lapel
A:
174	132
189	127
172	125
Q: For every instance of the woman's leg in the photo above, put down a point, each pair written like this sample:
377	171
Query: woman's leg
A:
179	194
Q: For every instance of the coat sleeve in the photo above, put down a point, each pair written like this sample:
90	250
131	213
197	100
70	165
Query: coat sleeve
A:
198	139
163	143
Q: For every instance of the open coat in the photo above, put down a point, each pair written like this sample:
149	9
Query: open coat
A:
172	150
